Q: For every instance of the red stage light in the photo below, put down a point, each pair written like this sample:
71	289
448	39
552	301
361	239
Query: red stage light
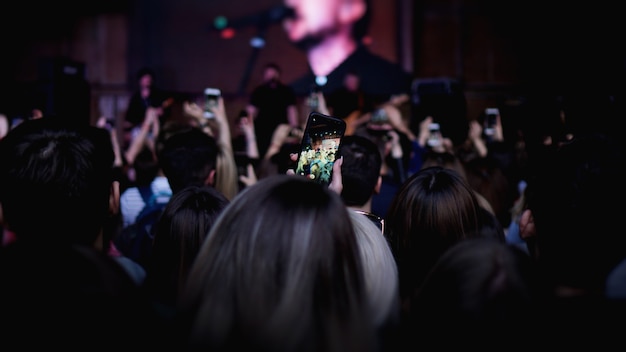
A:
227	33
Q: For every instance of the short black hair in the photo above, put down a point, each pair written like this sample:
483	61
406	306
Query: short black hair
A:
360	170
187	157
274	66
145	71
56	180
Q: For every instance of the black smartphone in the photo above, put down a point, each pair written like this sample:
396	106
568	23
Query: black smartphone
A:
211	96
320	147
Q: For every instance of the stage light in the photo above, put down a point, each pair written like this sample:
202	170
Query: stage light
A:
257	42
227	33
220	22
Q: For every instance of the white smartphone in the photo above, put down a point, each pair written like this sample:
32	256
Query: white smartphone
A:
211	97
434	138
491	116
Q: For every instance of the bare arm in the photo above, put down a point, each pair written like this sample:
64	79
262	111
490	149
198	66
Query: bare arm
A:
247	127
395	118
280	136
149	124
292	116
474	135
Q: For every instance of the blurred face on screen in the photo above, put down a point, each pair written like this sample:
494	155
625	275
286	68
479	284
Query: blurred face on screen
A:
318	20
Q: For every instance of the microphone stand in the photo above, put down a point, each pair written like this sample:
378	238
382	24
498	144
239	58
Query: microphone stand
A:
257	42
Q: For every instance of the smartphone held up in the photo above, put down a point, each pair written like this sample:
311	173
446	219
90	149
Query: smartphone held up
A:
490	122
211	98
435	139
320	147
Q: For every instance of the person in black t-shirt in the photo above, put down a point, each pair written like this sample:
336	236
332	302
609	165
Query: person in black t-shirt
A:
271	104
348	99
146	95
331	37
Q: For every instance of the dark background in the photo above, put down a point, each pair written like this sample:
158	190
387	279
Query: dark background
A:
498	52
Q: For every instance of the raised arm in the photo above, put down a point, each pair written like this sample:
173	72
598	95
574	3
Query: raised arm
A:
147	133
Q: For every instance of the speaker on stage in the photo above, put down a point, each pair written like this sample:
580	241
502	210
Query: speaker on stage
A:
63	91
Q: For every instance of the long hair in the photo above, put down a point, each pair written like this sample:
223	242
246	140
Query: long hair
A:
180	232
279	271
433	209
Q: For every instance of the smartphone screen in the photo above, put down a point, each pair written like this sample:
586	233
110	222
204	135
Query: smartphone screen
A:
491	115
211	96
434	137
320	147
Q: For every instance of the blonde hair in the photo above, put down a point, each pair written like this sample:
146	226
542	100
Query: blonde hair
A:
379	267
226	176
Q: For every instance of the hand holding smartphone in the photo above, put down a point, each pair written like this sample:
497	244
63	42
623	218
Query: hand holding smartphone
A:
211	97
320	147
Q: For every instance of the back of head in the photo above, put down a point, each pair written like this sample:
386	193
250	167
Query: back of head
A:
434	209
282	257
480	291
56	181
180	232
145	167
187	157
360	170
577	203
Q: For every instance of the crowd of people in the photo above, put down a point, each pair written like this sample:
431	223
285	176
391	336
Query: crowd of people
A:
271	261
467	242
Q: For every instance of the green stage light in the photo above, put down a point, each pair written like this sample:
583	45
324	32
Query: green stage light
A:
220	22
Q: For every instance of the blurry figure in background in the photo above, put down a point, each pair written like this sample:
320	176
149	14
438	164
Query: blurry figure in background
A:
331	33
348	99
146	95
271	103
